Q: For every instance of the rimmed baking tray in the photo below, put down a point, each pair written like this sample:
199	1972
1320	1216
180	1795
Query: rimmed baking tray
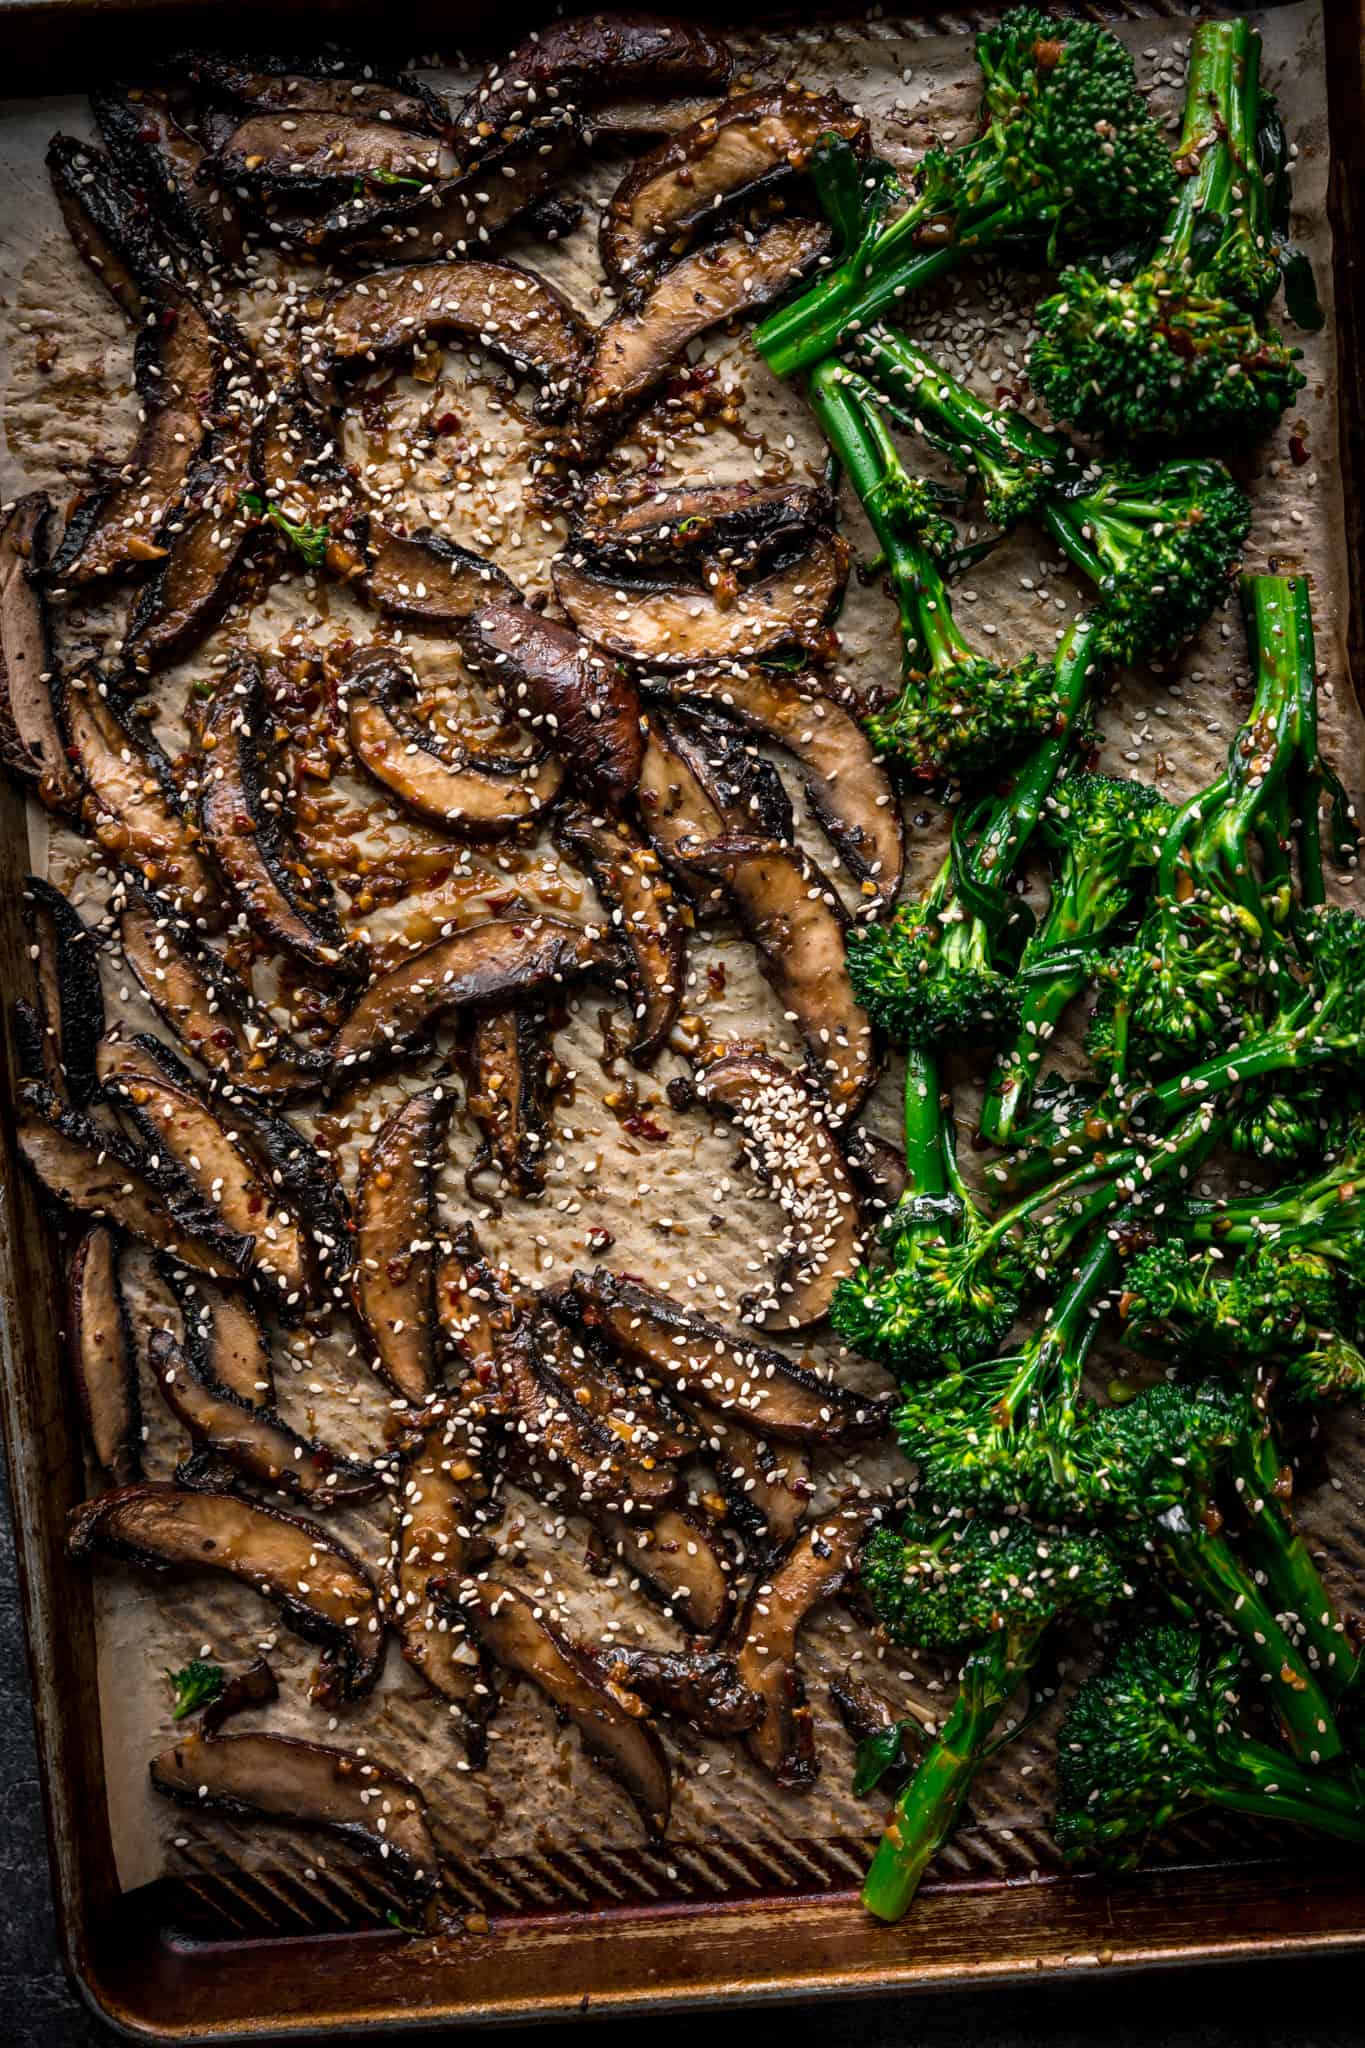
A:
155	1972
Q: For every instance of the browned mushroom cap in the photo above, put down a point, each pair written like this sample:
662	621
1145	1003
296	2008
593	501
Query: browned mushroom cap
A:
303	1174
393	1283
31	742
675	807
845	784
739	522
242	817
445	1493
131	804
255	1440
700	1687
644	115
615	1732
791	1146
676	1555
628	878
489	965
68	1013
815	1569
280	1777
509	311
511	1076
586	707
582	59
747	1383
797	924
705	174
297	466
450	217
475	1304
767	1486
167	164
316	155
108	222
560	1448
476	796
204	543
669	625
99	1339
428	581
377	95
222	1339
641	342
324	1593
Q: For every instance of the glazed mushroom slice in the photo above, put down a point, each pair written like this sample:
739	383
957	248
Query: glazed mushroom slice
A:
477	796
99	1337
131	804
735	153
253	1439
208	1006
559	1448
511	1076
264	87
796	923
450	217
305	488
31	743
700	1687
745	791
644	339
647	1421
474	1302
308	1784
69	1011
846	787
108	222
393	1280
99	1173
425	580
767	1487
747	1383
204	544
586	707
303	1175
500	307
445	1493
627	876
815	1569
324	1594
221	1337
615	1732
675	1554
314	156
790	1145
679	810
671	625
243	821
727	523
582	59
484	966
161	159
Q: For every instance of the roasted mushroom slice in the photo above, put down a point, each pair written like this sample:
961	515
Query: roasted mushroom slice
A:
208	1006
131	803
449	217
31	743
243	819
797	924
644	339
161	159
69	1012
559	1448
791	1147
579	60
615	1732
511	312
203	545
253	1439
445	1493
474	1302
845	784
586	707
511	1076
393	1281
732	525
700	178
223	1341
313	156
628	878
815	1569
752	1385
678	811
108	222
426	580
767	1487
672	625
99	1338
700	1687
478	796
303	1175
675	1553
281	86
304	488
324	1593
485	966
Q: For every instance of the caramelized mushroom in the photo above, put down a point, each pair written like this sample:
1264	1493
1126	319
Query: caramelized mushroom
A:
627	877
31	743
560	1448
203	544
99	1339
700	1687
108	222
587	708
426	580
259	87
511	1077
456	216
393	1282
815	1569
162	160
676	1554
767	1487
222	1339
738	523
317	155
68	1015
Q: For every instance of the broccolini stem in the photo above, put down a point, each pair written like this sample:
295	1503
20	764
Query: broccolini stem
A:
925	1138
1043	1005
1217	143
1275	1548
1294	1805
1015	817
951	415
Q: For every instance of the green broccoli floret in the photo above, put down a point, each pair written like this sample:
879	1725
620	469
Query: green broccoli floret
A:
1068	155
927	977
1179	353
195	1687
1154	1737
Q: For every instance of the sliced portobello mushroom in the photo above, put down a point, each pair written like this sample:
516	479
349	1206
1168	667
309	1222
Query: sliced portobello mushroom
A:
744	790
221	1337
99	1339
484	966
162	160
69	1011
324	1594
586	707
131	804
767	1487
208	1006
746	1383
109	223
303	1174
815	1569
474	1303
478	796
677	1556
672	625
627	876
647	1421
284	86
645	338
242	815
446	1492
730	525
679	810
393	1281
561	1450
796	923
700	1687
425	580
615	1731
313	156
204	543
792	1148
305	490
500	307
641	116
511	1076
845	785
581	60
31	743
449	217
734	154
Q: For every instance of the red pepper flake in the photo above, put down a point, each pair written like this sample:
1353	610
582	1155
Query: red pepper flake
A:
448	423
641	1126
599	1240
1298	450
716	976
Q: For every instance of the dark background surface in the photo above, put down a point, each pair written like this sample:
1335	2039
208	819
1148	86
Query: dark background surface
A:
1315	2004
